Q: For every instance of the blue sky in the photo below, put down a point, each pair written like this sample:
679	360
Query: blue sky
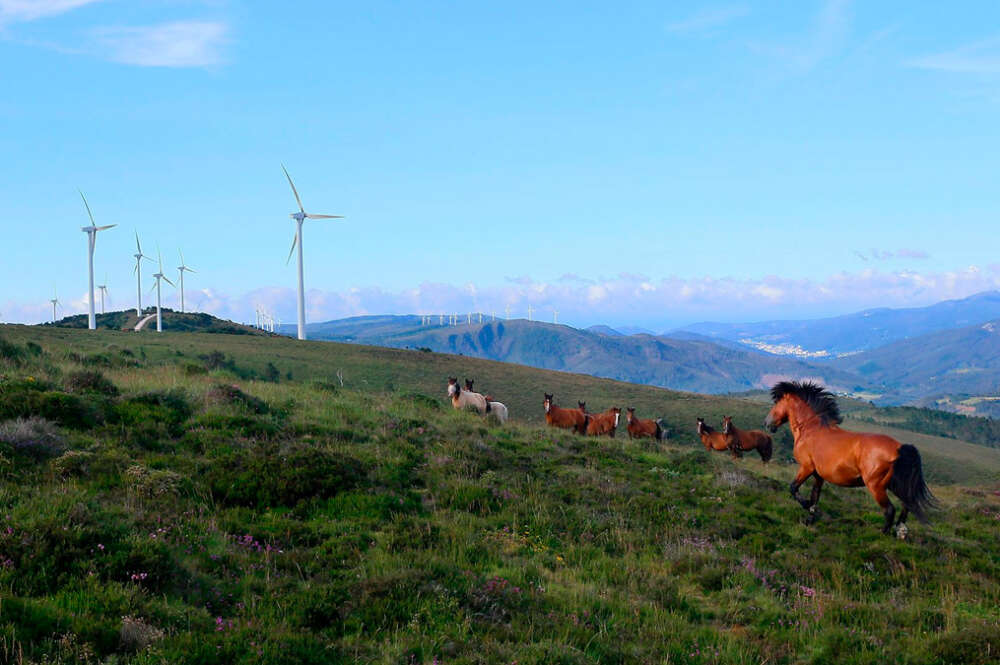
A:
635	163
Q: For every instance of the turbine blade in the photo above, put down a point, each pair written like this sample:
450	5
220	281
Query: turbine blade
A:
169	282
294	191
88	208
294	240
137	247
312	216
105	228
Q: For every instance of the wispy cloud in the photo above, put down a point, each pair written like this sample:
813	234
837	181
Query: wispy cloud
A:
175	44
826	36
707	19
12	11
981	57
886	254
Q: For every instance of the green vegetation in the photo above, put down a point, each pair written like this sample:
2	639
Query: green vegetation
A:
984	431
162	508
172	320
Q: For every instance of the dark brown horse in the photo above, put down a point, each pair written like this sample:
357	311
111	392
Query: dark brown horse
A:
712	438
638	428
743	440
604	423
826	452
573	419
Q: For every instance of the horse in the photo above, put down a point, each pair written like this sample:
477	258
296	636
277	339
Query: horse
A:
573	419
604	423
498	409
743	440
638	428
463	399
468	386
828	453
711	438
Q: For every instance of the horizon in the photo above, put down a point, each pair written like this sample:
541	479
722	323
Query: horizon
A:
642	166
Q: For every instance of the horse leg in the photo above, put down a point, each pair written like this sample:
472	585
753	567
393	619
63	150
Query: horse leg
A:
814	498
882	499
801	477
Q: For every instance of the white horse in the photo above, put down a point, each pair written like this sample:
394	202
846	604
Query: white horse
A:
498	409
463	399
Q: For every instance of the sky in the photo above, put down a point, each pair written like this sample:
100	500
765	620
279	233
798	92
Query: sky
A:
633	163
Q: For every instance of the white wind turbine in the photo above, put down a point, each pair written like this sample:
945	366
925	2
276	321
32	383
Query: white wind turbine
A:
139	256
300	217
55	302
158	276
91	232
104	291
181	269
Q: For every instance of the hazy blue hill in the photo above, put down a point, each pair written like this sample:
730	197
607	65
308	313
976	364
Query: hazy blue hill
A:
965	361
696	365
605	330
862	330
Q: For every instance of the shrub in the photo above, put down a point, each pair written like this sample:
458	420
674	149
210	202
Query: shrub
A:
169	408
90	381
73	463
228	394
136	634
32	435
266	477
23	401
11	353
193	369
151	482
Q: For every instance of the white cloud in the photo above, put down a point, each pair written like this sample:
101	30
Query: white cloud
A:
887	254
29	10
706	19
174	44
979	58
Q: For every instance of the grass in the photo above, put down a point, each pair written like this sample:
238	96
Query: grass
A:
197	516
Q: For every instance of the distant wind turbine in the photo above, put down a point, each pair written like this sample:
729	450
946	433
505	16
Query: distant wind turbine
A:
55	302
104	291
300	217
91	232
139	256
529	312
158	276
181	269
555	316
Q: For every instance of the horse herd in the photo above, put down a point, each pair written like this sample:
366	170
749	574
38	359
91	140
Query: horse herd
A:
824	451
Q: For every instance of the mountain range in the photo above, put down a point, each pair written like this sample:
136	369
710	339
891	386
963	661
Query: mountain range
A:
946	355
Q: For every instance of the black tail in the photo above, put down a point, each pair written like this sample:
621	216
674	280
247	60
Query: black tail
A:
907	482
659	429
766	449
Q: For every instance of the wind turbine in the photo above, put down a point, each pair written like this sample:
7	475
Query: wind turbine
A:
91	232
104	291
158	276
139	256
300	217
181	269
54	301
529	312
555	316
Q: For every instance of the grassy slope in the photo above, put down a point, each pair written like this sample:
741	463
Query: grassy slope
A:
366	526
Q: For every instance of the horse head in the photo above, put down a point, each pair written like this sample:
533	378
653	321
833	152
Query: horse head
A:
727	424
547	403
618	414
778	415
453	387
701	426
582	406
630	413
468	386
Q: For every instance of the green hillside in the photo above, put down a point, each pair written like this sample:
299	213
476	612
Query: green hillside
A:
172	320
173	506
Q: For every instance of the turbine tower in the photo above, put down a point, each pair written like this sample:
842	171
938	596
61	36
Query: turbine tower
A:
55	302
139	256
181	269
91	232
158	276
300	217
104	291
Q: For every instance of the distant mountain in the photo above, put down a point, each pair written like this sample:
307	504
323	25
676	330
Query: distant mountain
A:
825	338
960	362
694	365
605	330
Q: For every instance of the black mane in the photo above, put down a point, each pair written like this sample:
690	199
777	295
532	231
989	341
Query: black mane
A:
816	396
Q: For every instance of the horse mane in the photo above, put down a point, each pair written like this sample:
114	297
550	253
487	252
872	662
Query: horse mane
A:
818	398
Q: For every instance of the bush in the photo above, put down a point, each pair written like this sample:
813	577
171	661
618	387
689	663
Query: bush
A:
33	436
266	477
90	381
231	395
21	401
73	463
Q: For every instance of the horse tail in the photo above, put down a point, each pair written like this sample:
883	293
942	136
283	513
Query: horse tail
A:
766	448
586	424
907	482
659	429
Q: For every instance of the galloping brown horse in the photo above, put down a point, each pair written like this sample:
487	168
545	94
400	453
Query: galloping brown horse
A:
638	428
743	440
604	423
826	452
711	438
573	419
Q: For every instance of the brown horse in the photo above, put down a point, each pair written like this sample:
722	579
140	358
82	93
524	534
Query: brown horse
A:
743	440
463	399
826	452
604	423
573	419
638	428
711	438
